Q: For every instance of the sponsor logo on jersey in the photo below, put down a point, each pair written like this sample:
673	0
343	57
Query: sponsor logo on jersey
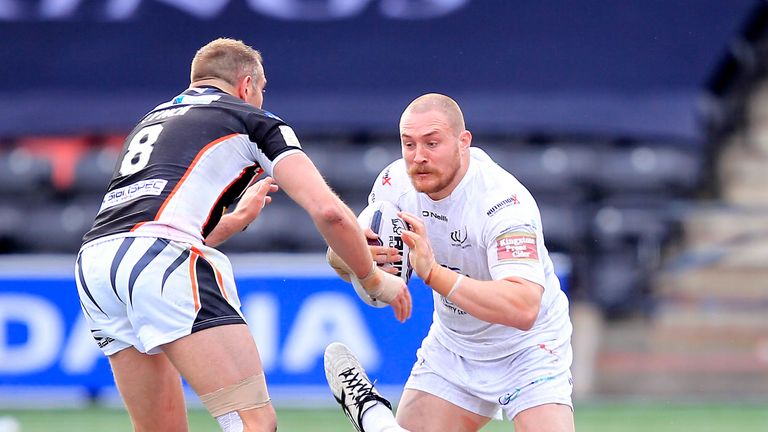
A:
517	246
386	180
289	136
203	99
459	237
437	216
505	203
140	188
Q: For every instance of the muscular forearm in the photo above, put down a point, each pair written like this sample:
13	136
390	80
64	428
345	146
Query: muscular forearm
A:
512	302
331	216
339	227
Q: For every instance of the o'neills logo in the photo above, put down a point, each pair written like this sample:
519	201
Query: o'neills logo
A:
507	202
434	215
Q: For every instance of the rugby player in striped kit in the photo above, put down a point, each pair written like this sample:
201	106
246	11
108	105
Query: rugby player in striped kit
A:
159	298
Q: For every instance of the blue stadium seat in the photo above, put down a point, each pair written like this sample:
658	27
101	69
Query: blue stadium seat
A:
636	220
282	227
352	168
560	168
566	227
618	283
670	171
22	172
11	220
93	170
56	227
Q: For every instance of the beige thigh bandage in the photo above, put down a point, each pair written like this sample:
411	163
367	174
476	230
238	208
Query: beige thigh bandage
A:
247	394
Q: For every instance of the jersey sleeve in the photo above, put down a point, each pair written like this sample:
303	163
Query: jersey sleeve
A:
273	140
512	238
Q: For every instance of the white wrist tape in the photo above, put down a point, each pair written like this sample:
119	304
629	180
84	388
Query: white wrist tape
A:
384	286
369	274
455	286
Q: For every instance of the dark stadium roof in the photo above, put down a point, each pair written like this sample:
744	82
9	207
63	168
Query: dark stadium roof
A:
599	66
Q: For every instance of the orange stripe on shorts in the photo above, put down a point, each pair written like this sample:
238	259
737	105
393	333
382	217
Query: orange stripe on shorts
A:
193	277
219	278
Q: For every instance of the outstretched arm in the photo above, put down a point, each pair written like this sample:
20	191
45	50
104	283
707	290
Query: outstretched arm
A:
299	178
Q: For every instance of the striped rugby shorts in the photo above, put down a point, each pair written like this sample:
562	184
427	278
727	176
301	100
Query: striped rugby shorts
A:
147	291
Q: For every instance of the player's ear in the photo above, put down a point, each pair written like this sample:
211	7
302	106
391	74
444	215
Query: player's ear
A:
465	140
245	87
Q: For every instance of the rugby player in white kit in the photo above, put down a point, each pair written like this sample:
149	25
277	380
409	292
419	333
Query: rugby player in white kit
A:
500	339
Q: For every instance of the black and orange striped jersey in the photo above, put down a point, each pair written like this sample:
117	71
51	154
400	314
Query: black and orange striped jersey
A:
186	161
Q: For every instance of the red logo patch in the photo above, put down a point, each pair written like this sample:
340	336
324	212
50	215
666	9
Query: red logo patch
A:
386	180
517	246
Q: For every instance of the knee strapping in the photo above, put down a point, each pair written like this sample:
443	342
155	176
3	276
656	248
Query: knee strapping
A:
249	393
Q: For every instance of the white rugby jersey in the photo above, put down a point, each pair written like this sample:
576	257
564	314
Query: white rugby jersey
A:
489	228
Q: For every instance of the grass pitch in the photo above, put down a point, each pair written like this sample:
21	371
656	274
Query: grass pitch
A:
614	417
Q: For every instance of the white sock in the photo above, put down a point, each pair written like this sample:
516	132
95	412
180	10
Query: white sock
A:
379	418
230	422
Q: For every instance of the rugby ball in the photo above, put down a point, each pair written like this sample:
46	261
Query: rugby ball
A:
381	217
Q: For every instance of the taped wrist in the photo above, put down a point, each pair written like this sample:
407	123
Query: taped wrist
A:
445	281
339	266
368	275
428	279
382	285
455	286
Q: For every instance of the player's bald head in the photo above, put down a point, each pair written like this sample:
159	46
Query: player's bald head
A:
437	102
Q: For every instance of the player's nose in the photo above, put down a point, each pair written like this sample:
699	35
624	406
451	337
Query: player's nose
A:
420	155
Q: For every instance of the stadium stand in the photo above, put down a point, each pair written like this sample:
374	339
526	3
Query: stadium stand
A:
610	207
654	193
555	168
22	172
93	170
661	170
707	336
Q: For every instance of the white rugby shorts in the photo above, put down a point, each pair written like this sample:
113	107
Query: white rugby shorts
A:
531	377
148	291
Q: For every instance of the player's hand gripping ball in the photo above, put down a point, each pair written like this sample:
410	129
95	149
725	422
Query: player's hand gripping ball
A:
381	217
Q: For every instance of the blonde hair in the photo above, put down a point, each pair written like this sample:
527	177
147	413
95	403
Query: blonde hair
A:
441	103
226	59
